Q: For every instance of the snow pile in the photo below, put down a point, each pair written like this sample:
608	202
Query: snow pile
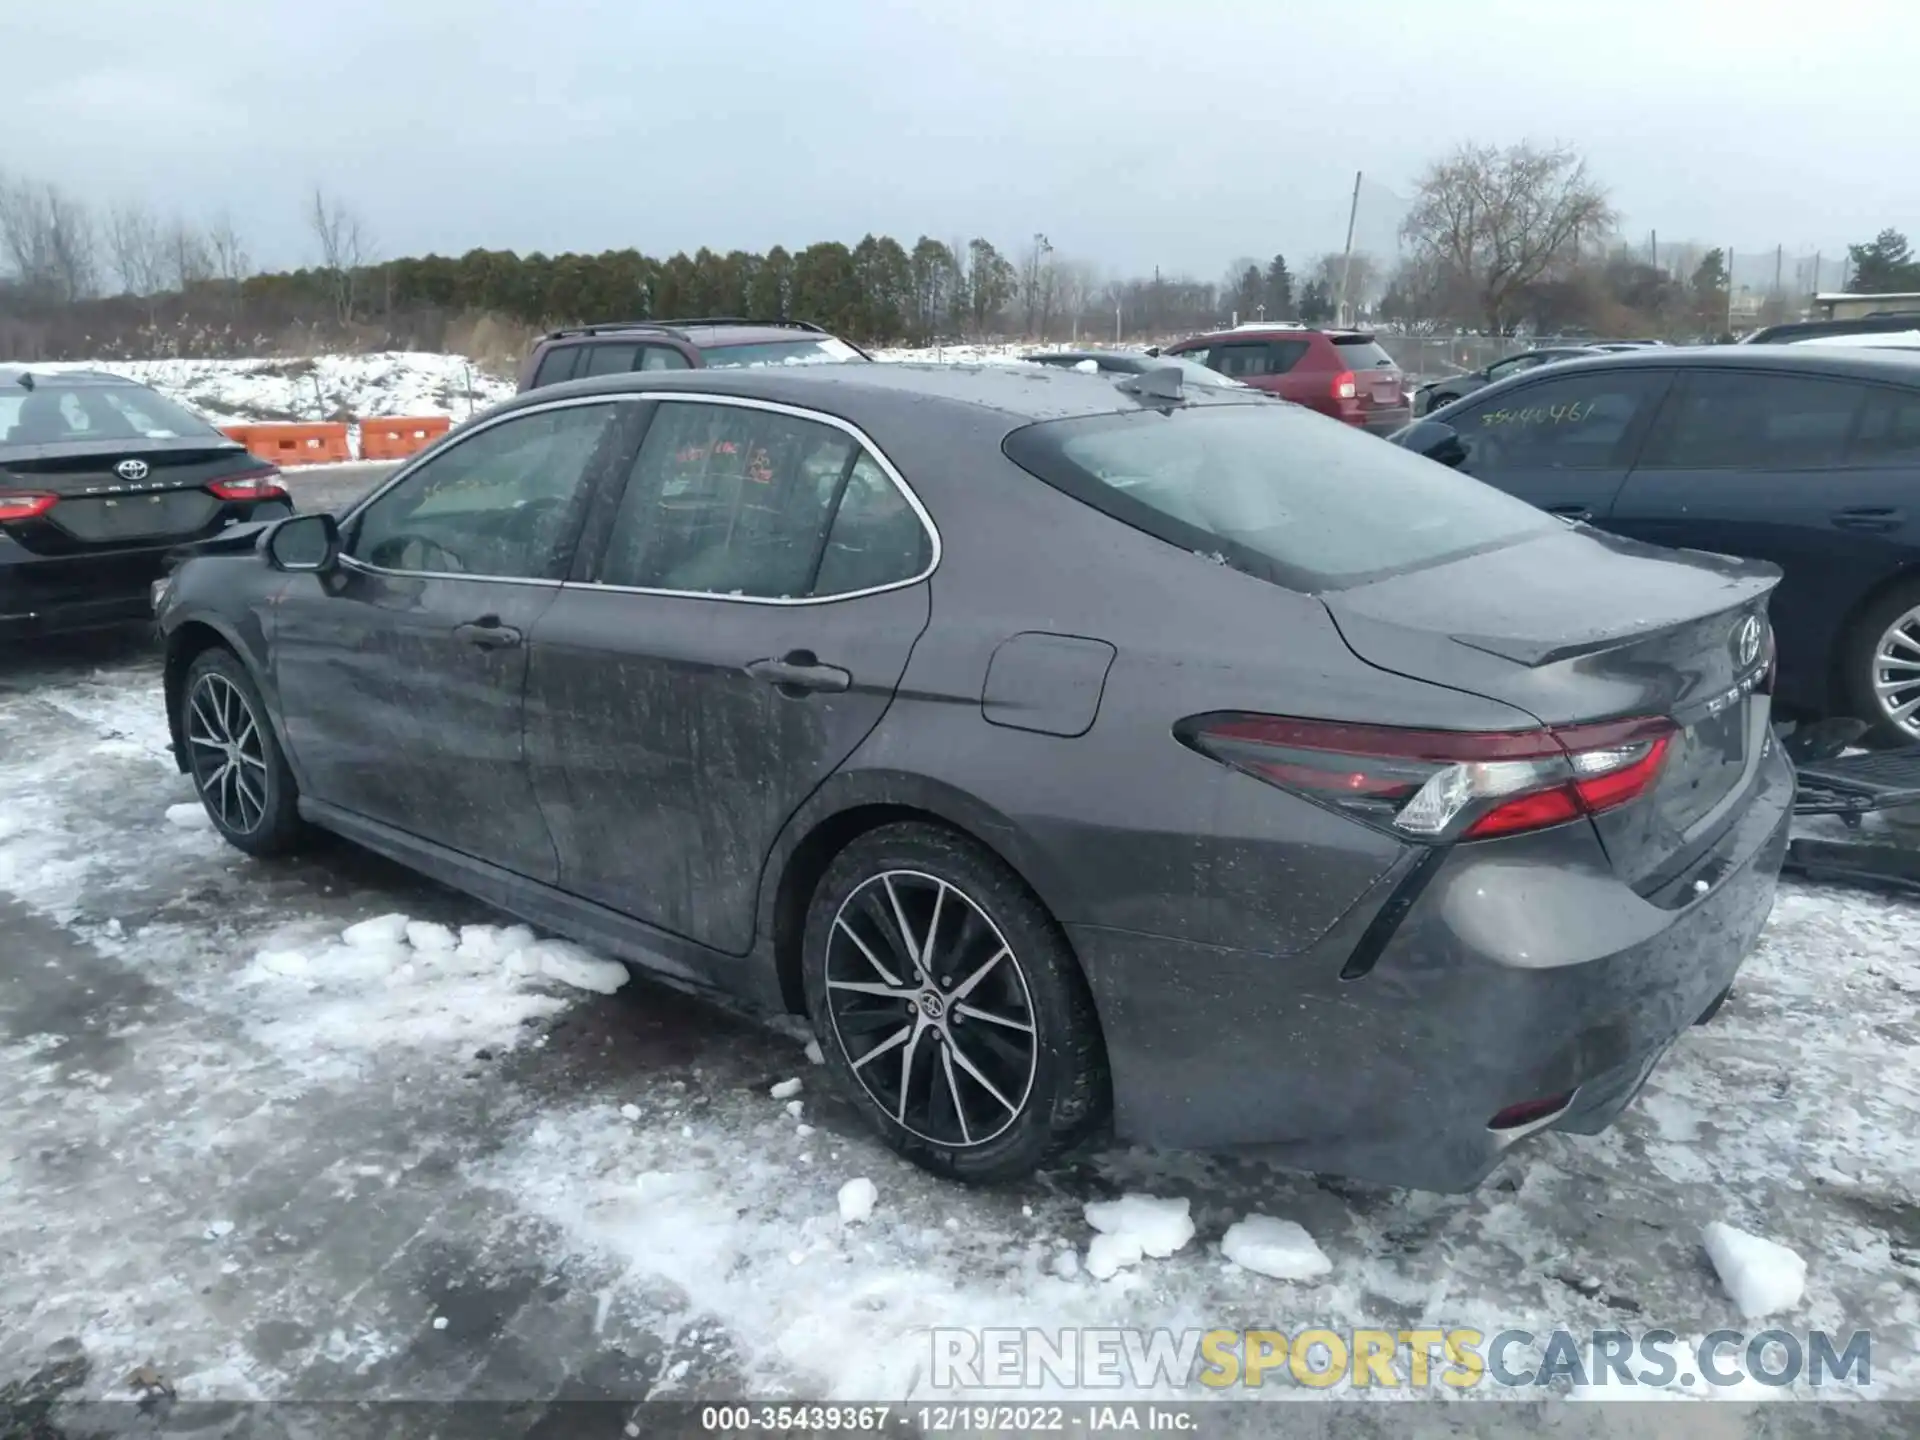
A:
394	981
857	1198
1133	1227
191	815
326	387
786	1089
1279	1249
1763	1277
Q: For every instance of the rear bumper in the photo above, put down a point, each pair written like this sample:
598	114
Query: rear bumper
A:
1523	970
1381	421
57	595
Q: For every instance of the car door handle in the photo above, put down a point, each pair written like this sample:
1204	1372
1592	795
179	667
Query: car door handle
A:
1869	517
800	671
488	634
1570	512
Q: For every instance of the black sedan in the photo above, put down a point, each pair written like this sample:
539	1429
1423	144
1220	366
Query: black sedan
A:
1807	456
1063	747
100	479
1436	393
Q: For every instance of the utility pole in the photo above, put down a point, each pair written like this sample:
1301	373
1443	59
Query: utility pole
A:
1729	289
1653	248
1816	274
1346	263
1778	252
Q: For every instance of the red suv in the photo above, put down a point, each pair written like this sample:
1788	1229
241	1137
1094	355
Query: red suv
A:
1342	373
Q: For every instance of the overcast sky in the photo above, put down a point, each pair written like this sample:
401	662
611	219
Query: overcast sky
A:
1135	133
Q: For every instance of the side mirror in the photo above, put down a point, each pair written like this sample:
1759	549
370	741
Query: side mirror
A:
1435	440
305	544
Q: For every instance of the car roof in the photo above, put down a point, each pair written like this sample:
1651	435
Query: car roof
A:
10	375
1859	364
1023	394
706	333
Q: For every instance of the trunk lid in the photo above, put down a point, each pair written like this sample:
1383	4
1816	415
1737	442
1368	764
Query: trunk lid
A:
1578	626
1379	383
162	497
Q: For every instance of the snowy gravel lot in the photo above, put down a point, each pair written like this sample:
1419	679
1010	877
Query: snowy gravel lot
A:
317	1129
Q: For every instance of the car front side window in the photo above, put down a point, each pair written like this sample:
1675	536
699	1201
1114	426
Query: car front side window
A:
502	503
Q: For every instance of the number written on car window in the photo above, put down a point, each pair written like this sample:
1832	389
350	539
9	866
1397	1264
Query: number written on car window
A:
1579	422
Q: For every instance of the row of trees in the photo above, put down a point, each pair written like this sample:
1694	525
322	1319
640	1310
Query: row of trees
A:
1496	239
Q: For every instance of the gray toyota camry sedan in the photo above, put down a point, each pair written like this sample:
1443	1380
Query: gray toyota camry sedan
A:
1071	751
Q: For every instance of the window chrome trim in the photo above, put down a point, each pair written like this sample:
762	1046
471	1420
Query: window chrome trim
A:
743	402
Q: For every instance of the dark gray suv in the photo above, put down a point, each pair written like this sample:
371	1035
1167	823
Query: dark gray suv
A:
710	342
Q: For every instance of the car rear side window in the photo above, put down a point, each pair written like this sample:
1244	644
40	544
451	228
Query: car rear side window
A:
1362	352
1574	422
610	359
557	365
1252	358
504	502
1273	490
1727	420
727	500
1889	428
662	357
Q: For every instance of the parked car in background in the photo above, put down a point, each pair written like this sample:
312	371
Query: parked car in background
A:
1435	393
1792	331
711	342
99	479
1058	744
1804	455
1342	373
1876	340
1134	362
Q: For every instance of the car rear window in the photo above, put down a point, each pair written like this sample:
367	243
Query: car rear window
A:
1363	352
1274	490
52	413
557	365
825	350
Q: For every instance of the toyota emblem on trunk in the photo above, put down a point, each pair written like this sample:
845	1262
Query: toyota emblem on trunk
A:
131	469
1746	642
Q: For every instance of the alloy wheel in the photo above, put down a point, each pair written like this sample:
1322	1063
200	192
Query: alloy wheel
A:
227	753
1896	672
931	1008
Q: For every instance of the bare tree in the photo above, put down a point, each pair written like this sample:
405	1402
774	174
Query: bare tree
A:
136	251
227	251
345	250
189	260
1501	220
1357	275
48	239
1035	278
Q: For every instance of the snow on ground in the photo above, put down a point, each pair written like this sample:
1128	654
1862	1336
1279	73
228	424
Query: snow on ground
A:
270	1157
326	387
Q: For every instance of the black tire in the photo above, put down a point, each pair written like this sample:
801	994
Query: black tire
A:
974	1134
1859	665
248	791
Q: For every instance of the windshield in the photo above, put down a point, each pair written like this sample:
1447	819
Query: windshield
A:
824	351
1363	352
52	413
1276	490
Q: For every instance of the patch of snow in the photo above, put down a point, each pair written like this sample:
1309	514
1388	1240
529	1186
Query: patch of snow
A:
439	1322
1762	1276
796	1108
425	935
219	1230
383	930
1161	1226
813	1053
857	1199
1278	1249
571	964
629	1112
786	1089
190	815
1108	1254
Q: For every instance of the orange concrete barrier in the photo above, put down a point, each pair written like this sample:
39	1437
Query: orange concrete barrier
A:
397	439
288	444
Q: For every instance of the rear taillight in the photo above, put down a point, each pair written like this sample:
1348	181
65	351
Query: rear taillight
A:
261	484
15	505
1772	672
1345	387
1443	785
